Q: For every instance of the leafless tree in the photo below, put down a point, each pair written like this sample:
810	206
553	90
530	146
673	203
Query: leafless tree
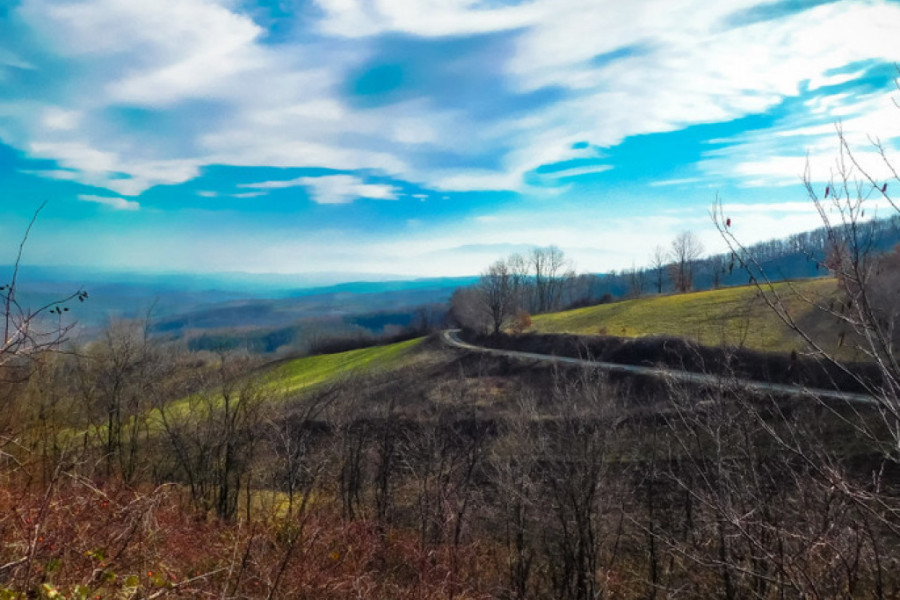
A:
467	309
538	282
29	335
862	325
29	331
583	501
518	267
498	294
658	267
686	249
717	268
831	503
213	434
549	271
118	376
636	281
515	460
292	437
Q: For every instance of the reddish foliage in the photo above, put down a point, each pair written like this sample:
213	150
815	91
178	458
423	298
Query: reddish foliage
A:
82	535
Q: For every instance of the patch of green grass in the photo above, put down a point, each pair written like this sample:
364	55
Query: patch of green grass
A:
290	377
303	373
731	316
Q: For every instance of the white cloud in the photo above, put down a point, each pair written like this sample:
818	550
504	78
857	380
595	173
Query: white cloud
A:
679	181
476	180
60	119
114	203
11	59
360	18
283	104
343	189
275	184
123	175
171	49
577	171
780	155
333	189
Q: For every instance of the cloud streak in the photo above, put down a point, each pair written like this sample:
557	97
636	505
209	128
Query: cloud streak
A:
113	203
331	189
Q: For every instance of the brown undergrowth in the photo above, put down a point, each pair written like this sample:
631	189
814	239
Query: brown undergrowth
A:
78	539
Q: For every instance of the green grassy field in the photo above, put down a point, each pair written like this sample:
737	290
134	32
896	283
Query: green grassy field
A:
730	316
303	373
290	377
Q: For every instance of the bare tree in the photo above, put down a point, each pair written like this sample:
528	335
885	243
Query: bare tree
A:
636	281
548	268
29	331
658	267
581	501
717	268
118	377
518	267
498	294
467	309
835	507
852	260
214	435
30	335
291	440
686	249
884	291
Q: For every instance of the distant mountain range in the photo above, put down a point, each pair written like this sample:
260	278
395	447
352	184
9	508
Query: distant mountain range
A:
183	304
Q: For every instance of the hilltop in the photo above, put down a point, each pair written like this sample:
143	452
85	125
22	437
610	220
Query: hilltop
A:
735	316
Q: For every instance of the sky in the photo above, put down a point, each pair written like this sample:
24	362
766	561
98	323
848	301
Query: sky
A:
425	137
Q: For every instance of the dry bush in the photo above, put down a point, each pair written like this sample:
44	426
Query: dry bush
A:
109	542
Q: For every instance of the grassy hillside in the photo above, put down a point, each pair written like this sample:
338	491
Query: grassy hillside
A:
303	373
732	316
288	378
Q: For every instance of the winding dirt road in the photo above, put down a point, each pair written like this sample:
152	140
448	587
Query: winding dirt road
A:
450	337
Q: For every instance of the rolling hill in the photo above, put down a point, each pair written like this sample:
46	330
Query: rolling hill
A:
736	316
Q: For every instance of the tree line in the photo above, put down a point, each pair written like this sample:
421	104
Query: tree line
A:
510	290
543	280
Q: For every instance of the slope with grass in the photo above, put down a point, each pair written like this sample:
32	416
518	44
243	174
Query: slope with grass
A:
304	373
286	379
735	316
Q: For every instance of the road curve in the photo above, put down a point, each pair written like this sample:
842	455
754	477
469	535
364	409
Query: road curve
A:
450	337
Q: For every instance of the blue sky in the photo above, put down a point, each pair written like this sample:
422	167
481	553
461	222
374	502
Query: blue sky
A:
423	137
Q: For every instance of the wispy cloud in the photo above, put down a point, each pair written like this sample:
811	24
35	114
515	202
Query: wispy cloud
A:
111	202
112	169
10	59
547	90
577	172
333	189
679	181
276	184
343	189
802	142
